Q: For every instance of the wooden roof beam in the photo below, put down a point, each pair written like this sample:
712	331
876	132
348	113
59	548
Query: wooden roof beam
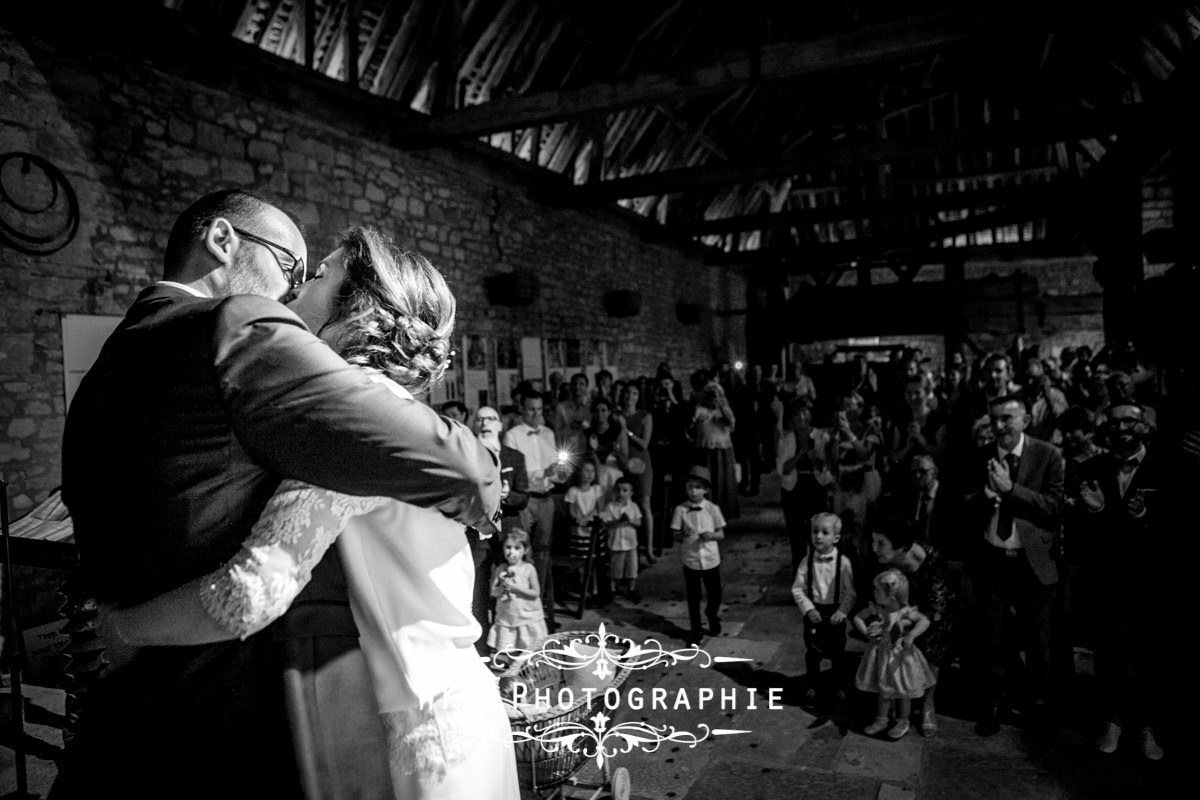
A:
907	38
1064	127
978	198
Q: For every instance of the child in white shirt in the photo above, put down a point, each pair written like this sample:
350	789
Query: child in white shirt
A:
622	516
824	591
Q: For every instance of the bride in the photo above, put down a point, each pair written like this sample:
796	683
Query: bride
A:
409	569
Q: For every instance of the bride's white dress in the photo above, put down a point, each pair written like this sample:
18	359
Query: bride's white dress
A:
410	574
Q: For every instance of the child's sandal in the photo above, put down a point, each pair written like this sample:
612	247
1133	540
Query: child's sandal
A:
929	725
898	730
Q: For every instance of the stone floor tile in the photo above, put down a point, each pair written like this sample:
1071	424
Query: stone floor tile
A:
744	780
882	759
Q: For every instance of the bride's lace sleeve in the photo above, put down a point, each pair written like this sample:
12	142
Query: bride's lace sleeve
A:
275	563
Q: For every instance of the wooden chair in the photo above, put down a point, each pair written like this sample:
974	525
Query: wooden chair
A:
579	558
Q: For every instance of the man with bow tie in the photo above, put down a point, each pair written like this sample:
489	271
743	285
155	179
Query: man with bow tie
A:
1014	514
1117	494
545	473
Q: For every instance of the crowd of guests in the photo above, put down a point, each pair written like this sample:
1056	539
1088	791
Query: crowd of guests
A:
972	516
983	517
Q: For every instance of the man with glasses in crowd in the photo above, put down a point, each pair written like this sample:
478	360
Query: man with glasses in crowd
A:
203	399
514	496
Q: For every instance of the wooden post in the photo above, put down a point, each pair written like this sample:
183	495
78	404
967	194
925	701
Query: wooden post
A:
1120	267
955	321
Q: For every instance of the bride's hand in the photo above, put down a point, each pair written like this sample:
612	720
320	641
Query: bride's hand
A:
117	651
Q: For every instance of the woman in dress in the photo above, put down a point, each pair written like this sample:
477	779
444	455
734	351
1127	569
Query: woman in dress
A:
712	440
607	442
932	589
409	570
639	430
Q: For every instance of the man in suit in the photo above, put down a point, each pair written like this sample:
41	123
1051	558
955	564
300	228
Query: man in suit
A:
514	496
931	509
203	399
1014	515
1120	517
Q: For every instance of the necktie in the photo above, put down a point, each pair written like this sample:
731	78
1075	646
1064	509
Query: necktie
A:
923	513
1130	464
1004	522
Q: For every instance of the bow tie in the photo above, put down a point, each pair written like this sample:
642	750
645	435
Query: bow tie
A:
695	508
535	431
823	559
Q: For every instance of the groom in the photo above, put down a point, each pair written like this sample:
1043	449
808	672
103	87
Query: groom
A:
203	399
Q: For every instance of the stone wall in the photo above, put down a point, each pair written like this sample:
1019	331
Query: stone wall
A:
138	144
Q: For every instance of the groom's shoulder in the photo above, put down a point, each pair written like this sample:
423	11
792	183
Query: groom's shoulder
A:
250	308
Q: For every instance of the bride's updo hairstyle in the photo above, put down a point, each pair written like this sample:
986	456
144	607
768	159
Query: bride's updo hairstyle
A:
398	310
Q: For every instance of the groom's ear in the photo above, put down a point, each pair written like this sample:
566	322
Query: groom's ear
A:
220	240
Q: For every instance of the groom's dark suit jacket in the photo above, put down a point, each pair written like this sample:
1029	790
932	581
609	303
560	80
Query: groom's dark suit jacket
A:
178	435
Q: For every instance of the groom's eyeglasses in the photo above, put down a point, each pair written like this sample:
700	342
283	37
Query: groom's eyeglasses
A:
293	266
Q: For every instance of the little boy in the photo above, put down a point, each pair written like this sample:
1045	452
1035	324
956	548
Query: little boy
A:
824	591
699	524
622	517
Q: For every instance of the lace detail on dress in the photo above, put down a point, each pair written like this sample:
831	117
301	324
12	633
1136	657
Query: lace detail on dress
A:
432	739
275	563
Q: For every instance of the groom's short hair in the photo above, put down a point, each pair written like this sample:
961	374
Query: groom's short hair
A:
236	205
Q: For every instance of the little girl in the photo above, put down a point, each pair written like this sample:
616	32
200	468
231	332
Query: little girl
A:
519	620
585	500
892	667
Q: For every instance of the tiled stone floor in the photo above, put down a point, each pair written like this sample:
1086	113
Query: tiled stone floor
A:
788	753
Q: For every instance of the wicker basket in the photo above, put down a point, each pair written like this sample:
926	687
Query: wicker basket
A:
539	767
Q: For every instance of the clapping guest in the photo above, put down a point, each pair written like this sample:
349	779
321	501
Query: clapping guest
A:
1118	495
923	431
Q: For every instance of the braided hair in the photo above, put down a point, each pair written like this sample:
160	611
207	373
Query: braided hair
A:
398	310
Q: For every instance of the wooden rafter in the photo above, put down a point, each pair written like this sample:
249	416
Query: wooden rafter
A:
1001	195
906	38
1065	127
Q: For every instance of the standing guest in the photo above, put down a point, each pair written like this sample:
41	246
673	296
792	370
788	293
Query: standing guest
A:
520	621
1045	400
573	416
934	587
804	476
585	502
604	386
712	428
455	410
855	444
1014	511
622	517
1118	495
699	525
669	450
514	486
607	442
546	474
1121	392
924	427
639	430
931	511
892	668
824	591
995	380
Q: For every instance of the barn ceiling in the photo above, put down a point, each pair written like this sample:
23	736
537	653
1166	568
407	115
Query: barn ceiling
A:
802	135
